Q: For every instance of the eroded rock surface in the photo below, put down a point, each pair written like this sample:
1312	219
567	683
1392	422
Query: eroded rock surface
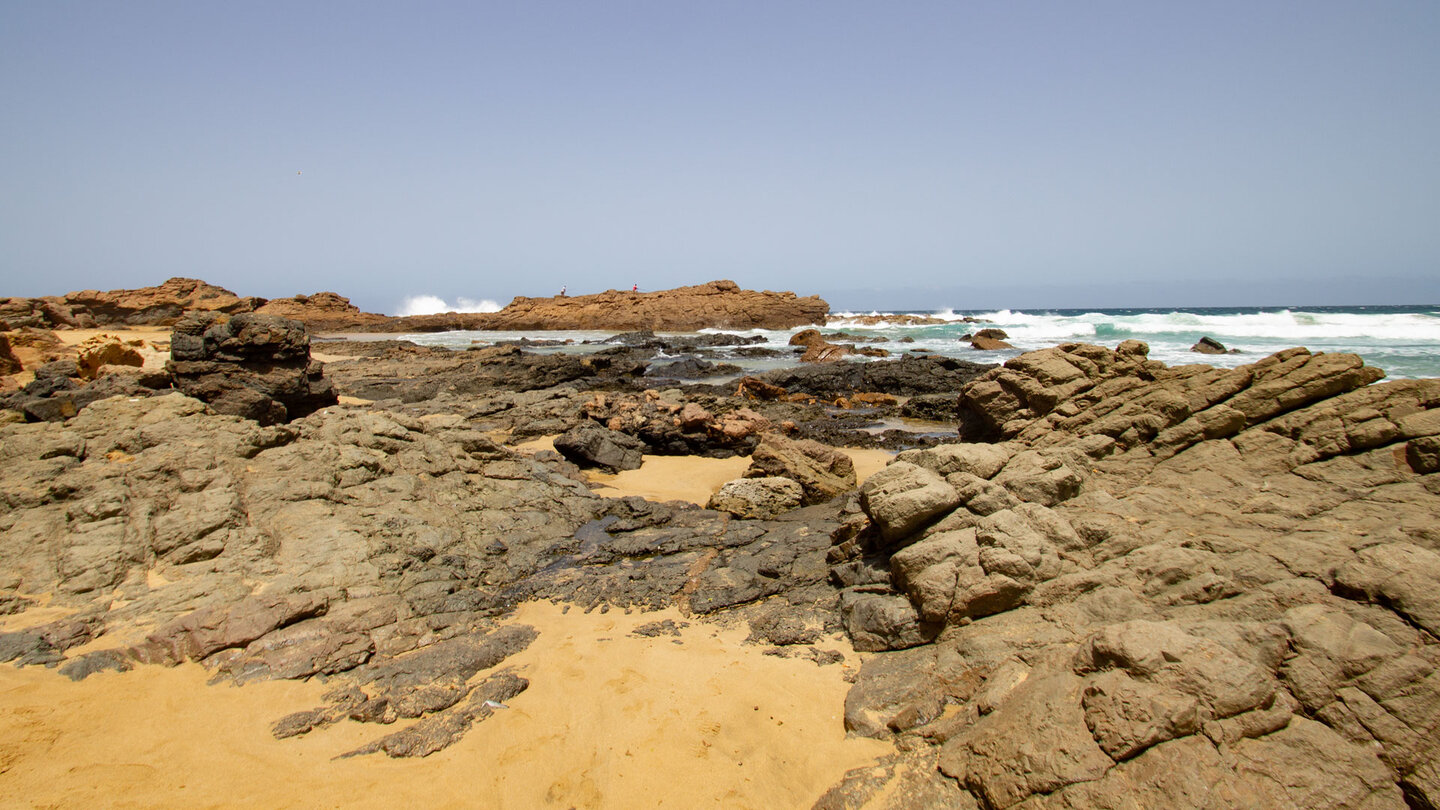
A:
375	547
1179	587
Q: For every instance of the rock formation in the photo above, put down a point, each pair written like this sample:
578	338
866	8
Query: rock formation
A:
324	312
371	546
256	366
162	305
1161	587
719	304
104	350
1209	345
987	340
9	363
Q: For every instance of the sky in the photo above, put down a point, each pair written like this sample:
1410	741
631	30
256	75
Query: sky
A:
918	155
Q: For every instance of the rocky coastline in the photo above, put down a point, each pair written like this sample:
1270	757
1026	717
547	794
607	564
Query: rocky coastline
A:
718	304
1089	579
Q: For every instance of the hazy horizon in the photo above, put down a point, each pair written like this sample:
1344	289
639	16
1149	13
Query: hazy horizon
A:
1113	154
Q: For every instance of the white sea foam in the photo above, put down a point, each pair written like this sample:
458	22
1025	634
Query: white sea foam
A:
435	305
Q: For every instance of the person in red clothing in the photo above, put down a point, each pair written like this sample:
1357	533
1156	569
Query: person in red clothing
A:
634	288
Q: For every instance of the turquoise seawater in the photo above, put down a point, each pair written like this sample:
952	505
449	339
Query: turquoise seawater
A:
1402	340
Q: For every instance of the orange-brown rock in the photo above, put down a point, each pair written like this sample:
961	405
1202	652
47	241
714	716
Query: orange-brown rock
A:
9	363
324	312
103	350
988	344
866	399
751	388
162	305
718	304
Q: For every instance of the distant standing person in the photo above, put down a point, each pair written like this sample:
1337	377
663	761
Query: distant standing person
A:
562	291
634	288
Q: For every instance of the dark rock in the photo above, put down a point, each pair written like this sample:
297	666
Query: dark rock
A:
594	446
83	666
932	407
255	366
1209	345
56	370
691	368
666	627
437	732
905	376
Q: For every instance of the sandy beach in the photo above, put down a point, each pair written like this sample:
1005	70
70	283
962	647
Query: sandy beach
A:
616	720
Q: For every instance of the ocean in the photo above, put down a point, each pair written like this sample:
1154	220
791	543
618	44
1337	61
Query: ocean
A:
1402	340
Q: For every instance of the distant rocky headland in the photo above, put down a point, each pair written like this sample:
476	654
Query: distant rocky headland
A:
1087	579
718	304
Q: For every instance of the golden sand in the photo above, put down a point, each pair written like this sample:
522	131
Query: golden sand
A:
691	478
611	720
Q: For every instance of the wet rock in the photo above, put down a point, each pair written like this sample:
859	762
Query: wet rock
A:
1209	345
905	376
989	340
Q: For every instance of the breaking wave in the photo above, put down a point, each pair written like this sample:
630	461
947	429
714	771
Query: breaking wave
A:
435	305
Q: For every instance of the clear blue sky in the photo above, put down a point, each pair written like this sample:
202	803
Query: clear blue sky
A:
912	155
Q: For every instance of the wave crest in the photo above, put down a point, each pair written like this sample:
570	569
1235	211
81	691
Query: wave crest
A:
435	305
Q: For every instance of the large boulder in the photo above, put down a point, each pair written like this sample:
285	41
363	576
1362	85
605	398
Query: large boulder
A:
757	497
823	472
591	445
104	350
903	497
255	366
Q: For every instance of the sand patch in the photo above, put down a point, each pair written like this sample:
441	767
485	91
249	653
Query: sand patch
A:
695	478
689	478
149	334
671	478
611	720
152	342
868	462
